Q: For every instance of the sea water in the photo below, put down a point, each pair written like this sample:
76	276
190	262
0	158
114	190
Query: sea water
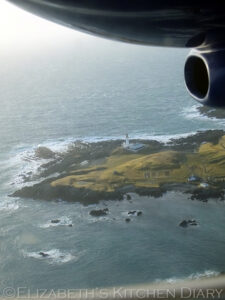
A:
99	90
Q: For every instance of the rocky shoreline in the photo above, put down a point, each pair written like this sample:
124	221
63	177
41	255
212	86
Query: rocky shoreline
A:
217	113
91	172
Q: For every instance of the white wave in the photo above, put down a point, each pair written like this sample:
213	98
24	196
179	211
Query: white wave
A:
206	274
193	276
25	164
165	138
168	280
142	136
63	221
53	256
9	205
59	145
194	113
62	146
91	219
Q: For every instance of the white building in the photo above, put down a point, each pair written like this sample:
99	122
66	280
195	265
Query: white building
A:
126	144
132	146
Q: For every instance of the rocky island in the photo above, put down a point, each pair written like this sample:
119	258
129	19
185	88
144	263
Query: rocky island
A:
90	172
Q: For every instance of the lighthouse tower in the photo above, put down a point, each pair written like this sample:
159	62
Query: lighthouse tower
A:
132	146
127	140
126	144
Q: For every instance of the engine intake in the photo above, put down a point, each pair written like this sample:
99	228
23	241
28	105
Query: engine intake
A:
204	74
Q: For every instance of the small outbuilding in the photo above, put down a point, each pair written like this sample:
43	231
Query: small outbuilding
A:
194	179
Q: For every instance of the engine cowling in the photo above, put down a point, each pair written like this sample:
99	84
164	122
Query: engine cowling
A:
204	74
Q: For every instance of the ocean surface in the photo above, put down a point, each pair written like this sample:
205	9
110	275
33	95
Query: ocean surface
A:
96	90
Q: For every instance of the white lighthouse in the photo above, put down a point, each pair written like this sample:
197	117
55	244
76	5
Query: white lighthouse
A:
127	143
131	146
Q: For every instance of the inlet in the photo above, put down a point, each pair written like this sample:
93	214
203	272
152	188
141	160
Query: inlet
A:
196	76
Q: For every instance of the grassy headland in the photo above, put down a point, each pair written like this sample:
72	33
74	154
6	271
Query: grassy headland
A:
104	170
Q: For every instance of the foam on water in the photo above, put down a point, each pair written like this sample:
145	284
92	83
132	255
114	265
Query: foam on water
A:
9	205
193	113
24	163
142	136
206	274
54	256
63	221
193	276
127	214
93	219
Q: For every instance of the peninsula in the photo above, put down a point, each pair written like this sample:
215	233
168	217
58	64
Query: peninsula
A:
90	172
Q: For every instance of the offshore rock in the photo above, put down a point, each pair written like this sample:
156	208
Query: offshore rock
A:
99	212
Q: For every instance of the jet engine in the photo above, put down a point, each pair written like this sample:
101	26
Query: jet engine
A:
204	74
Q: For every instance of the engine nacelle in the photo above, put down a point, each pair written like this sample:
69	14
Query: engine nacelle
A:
204	74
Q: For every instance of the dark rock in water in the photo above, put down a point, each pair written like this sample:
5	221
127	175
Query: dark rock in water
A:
44	152
99	213
70	225
192	222
128	197
203	194
43	254
55	221
132	212
127	220
152	192
184	224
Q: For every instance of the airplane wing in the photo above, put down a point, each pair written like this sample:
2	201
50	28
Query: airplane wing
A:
177	23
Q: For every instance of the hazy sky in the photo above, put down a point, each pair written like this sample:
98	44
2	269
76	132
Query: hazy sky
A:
22	29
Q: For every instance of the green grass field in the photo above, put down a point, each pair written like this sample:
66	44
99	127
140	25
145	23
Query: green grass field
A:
152	170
